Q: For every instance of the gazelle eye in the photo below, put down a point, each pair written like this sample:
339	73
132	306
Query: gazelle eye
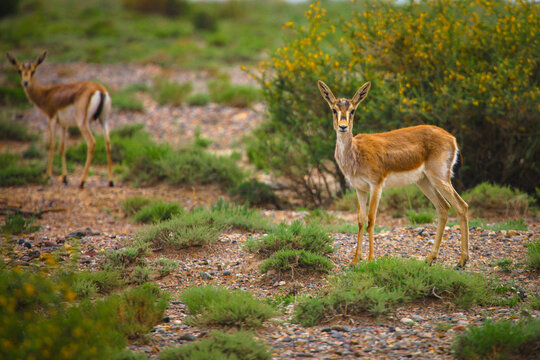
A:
334	111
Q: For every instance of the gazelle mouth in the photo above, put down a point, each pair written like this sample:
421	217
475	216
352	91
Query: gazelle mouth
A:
342	129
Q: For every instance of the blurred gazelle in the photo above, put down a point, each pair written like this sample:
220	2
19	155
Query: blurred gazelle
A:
74	104
422	155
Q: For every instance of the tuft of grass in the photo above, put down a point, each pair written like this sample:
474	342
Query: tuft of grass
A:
14	172
499	340
416	218
291	260
15	131
297	236
242	96
377	286
329	222
501	199
17	225
166	92
133	204
505	265
518	224
141	274
201	226
33	152
89	284
119	260
533	255
123	100
166	266
235	345
157	211
210	305
199	99
255	193
13	96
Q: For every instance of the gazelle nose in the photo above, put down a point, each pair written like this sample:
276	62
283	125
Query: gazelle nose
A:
25	83
342	127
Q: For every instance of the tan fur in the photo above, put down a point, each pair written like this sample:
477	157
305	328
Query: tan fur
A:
421	154
76	99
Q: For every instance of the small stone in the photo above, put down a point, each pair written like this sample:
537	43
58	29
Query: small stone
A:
227	273
418	318
27	245
463	322
459	328
407	321
21	241
166	319
340	328
187	337
206	276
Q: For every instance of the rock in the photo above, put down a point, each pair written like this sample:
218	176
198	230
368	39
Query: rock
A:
27	245
206	276
418	318
463	322
166	319
21	241
407	321
81	233
340	328
187	337
227	273
459	327
287	339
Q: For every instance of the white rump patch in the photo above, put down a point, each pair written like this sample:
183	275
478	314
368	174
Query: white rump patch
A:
93	106
403	178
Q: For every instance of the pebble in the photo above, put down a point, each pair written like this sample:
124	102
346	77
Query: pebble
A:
206	276
187	337
407	321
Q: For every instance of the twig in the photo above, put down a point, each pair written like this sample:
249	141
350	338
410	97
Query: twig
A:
434	294
37	214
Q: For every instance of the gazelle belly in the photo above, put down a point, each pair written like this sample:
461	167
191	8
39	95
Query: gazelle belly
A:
403	178
66	116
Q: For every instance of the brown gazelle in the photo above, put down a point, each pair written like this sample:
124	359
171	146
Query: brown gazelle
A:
73	104
424	155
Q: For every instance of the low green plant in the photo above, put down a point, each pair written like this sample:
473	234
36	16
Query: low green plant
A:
89	284
297	236
201	226
499	340
292	260
133	204
18	224
534	303
377	286
533	255
15	172
41	320
15	131
205	20
166	92
255	193
166	266
210	305
199	99
157	211
505	265
417	218
223	92
498	198
119	260
126	100
141	274
33	152
518	224
13	96
329	222
169	8
218	345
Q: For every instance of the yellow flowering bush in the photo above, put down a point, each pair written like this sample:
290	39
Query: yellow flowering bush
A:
470	67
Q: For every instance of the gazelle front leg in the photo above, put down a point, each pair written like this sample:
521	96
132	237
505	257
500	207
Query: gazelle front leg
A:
63	154
90	144
108	148
374	198
361	213
52	128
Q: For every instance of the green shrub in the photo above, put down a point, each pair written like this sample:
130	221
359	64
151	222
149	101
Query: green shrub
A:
157	211
411	53
297	236
89	284
201	226
133	204
292	260
236	345
166	266
17	225
223	92
33	152
119	260
496	198
168	8
377	286
499	340
210	305
255	193
124	100
15	131
533	255
141	274
518	224
420	217
166	92
199	99
204	20
13	96
41	321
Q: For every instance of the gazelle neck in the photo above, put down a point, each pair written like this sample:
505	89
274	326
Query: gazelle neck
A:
35	93
344	152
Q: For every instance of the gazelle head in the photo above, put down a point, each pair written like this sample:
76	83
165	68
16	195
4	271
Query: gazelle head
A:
26	70
343	109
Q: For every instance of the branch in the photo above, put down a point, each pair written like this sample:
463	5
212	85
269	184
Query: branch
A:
37	214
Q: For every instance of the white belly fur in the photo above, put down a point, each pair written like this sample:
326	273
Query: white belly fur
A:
404	177
66	116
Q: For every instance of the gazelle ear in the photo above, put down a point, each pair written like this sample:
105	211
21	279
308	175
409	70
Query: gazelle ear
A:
326	93
361	94
40	59
12	59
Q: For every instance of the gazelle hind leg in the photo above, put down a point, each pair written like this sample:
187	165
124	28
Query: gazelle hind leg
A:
91	144
446	189
108	148
52	128
361	213
442	207
63	155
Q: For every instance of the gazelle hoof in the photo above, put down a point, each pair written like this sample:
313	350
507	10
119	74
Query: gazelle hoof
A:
111	183
64	180
82	185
